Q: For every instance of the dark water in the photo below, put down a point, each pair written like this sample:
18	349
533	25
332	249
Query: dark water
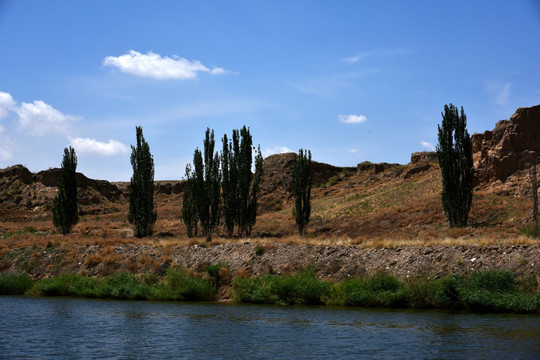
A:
53	328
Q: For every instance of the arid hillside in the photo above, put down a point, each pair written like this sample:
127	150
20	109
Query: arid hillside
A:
369	203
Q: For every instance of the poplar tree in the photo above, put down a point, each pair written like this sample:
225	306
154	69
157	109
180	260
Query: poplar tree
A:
302	190
189	206
454	152
65	210
229	185
206	185
141	194
240	186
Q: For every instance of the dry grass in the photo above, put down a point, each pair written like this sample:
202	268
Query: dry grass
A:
358	210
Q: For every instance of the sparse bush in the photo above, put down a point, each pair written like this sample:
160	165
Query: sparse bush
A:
531	230
259	250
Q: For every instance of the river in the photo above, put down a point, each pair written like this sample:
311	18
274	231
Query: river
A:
54	328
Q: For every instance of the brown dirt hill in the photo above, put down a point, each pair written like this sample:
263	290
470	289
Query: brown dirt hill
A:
372	202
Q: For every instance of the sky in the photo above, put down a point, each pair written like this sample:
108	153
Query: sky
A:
351	81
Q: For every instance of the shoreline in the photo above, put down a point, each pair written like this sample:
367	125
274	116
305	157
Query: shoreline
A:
491	291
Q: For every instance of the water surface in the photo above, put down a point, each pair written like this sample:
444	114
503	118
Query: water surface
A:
52	328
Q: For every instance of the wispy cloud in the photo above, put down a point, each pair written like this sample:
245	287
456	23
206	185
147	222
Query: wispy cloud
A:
352	119
500	91
383	52
94	147
427	145
275	150
155	66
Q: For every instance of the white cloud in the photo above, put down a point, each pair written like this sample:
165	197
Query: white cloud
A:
354	151
6	104
352	119
427	145
92	146
275	150
154	66
39	118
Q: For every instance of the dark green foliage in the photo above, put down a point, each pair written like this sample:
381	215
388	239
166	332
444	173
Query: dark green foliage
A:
229	183
302	190
141	194
494	291
240	187
123	287
380	290
213	270
300	288
189	205
455	159
14	284
65	210
67	285
204	188
177	284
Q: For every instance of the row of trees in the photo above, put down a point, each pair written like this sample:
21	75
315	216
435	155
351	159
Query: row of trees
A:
222	187
218	187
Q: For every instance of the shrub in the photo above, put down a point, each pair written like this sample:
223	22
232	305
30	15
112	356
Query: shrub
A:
66	285
178	284
300	288
14	284
123	287
380	289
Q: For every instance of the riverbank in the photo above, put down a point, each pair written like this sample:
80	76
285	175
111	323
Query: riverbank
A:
251	258
483	291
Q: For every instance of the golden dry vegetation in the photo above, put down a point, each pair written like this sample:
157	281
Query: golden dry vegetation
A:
367	209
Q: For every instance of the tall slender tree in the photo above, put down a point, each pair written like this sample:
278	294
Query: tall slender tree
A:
302	190
455	159
229	186
255	187
189	206
206	185
141	194
65	209
240	186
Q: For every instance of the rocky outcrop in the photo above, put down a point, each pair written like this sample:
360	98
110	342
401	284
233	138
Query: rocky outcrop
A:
420	162
17	172
367	166
277	172
424	157
508	148
50	178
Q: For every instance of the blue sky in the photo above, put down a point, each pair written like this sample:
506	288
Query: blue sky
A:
352	81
